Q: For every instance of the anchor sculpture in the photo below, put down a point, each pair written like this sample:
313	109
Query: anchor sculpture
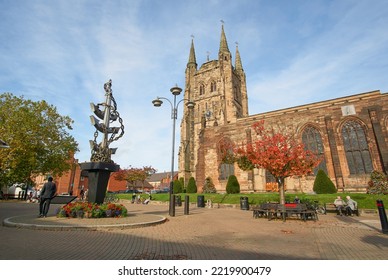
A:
101	164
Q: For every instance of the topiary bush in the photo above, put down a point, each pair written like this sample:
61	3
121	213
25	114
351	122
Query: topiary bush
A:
323	184
177	186
233	185
191	186
378	183
209	187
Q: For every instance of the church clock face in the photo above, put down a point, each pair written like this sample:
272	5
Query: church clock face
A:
348	110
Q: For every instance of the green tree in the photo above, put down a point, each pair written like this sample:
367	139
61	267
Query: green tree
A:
209	187
182	180
177	186
38	138
191	186
323	184
232	186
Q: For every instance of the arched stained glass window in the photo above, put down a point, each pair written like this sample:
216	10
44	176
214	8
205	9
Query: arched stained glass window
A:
225	151
226	169
356	148
312	141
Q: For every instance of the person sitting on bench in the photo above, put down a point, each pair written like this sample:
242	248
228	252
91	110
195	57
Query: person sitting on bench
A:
339	204
351	206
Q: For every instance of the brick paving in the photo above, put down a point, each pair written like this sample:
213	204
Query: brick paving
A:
205	234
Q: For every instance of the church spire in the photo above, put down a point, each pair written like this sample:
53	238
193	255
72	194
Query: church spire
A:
192	59
238	63
223	42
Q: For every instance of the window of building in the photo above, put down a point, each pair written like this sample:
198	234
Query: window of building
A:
312	141
226	169
201	90
356	148
213	86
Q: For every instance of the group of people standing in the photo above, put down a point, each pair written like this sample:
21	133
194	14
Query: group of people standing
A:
348	207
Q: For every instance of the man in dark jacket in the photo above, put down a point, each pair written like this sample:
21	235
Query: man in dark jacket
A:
47	193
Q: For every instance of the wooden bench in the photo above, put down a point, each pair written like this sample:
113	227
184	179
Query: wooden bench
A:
62	199
298	209
267	210
330	207
275	210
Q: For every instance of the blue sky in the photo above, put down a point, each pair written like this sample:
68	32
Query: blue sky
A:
293	53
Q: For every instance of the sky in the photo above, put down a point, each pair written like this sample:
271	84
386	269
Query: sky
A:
293	53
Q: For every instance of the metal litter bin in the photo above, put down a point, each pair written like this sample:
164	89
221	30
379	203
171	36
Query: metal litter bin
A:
201	201
244	204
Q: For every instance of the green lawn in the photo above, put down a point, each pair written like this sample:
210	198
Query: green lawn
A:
365	201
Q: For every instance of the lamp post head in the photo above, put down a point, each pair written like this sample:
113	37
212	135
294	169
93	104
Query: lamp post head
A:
190	104
157	102
176	90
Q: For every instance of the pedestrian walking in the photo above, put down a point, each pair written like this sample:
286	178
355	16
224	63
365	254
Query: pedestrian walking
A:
47	193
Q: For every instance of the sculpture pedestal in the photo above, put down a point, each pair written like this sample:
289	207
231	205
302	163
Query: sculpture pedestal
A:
98	174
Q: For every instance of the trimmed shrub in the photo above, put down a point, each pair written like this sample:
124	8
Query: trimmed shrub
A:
233	185
323	184
177	186
209	186
182	180
191	186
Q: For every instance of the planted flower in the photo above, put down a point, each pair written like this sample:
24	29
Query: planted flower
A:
91	210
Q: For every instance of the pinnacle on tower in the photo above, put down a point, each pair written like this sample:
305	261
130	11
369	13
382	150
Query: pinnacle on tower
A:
223	42
238	63
192	59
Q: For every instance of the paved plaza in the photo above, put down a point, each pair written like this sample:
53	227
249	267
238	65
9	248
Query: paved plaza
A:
148	233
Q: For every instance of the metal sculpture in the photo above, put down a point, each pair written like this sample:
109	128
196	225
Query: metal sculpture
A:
101	164
109	114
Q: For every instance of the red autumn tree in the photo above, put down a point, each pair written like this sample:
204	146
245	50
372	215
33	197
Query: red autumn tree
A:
279	153
133	174
130	174
146	172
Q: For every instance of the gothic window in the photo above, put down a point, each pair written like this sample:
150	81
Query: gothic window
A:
226	169
225	151
213	86
312	141
201	89
269	178
356	148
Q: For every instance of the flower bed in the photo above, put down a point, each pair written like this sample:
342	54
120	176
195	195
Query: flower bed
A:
92	210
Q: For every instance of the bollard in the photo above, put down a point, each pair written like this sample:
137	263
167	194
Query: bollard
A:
172	202
187	202
383	215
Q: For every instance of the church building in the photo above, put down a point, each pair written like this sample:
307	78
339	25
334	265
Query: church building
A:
350	133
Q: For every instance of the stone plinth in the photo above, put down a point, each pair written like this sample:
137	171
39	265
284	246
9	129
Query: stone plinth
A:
98	174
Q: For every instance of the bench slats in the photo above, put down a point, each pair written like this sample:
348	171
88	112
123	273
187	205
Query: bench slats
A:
271	210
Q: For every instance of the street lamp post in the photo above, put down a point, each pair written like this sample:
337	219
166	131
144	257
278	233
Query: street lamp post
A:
174	114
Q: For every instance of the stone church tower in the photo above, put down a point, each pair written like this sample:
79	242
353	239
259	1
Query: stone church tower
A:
220	94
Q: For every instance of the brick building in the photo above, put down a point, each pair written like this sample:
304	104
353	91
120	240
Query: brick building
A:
350	133
71	181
